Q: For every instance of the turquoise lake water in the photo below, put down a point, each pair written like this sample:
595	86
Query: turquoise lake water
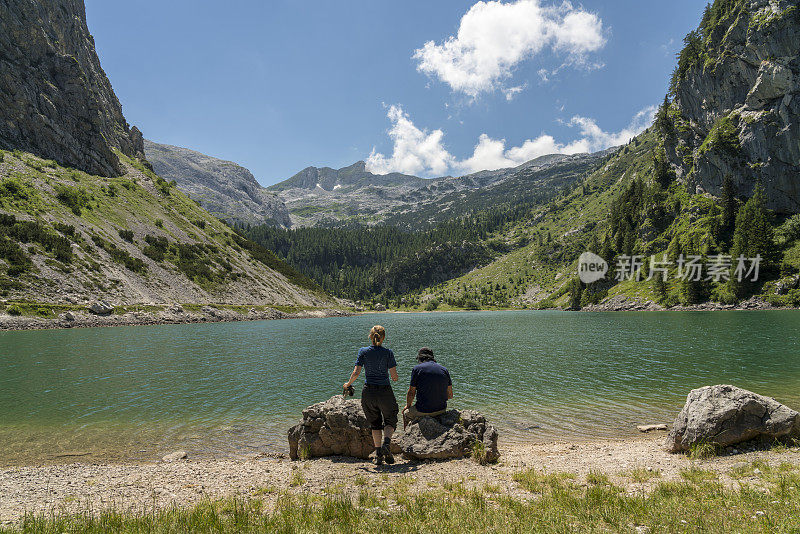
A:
228	389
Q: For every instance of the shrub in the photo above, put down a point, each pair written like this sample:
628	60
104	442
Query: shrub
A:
432	305
127	235
75	198
14	310
200	223
14	188
159	223
44	312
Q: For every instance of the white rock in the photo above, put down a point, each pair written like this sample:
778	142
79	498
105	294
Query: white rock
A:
175	456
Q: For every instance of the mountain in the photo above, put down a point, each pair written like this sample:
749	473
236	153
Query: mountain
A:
330	197
736	101
227	190
55	99
715	177
103	225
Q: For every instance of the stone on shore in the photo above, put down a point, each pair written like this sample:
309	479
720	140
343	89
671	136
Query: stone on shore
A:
650	428
453	434
101	307
724	415
337	427
175	456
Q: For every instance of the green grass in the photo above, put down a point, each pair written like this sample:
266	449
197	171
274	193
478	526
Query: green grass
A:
678	506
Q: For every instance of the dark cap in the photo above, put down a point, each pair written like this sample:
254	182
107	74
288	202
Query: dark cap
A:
425	354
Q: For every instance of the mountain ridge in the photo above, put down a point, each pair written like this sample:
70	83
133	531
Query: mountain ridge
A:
225	188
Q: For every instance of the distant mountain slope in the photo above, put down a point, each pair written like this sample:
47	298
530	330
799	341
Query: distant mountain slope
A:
227	190
329	197
55	99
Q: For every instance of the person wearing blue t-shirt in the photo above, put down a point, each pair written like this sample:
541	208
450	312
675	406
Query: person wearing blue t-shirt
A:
431	385
377	398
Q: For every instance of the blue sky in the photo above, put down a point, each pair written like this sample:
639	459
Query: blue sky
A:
281	85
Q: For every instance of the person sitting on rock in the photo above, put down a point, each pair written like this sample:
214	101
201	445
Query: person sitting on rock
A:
431	385
377	398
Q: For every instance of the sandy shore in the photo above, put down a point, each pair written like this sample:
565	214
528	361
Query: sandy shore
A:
78	486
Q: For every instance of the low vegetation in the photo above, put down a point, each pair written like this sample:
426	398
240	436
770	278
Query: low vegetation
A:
697	502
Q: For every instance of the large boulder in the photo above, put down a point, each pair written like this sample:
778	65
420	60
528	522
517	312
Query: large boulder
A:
101	307
450	435
335	427
724	415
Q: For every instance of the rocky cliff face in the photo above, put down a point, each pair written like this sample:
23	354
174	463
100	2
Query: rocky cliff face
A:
55	99
227	190
736	104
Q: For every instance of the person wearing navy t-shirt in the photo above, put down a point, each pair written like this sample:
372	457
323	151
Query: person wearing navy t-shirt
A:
377	398
431	385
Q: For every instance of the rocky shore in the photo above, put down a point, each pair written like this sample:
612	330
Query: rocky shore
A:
623	303
637	465
175	314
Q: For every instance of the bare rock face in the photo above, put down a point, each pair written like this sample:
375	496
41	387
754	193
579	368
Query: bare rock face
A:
724	415
738	106
450	435
337	427
225	189
55	99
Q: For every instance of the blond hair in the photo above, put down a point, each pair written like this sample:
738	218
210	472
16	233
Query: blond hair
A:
377	335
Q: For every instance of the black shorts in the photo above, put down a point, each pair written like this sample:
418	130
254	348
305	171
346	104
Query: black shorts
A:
380	406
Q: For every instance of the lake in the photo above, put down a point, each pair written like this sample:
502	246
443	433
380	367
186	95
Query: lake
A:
229	389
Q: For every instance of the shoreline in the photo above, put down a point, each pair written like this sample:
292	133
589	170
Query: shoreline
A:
168	316
636	464
176	315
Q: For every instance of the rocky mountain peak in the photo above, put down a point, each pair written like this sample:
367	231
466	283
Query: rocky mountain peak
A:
736	101
55	98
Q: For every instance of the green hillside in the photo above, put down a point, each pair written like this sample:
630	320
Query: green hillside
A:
68	237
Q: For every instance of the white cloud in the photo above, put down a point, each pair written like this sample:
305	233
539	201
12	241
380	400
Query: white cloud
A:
422	153
415	151
494	37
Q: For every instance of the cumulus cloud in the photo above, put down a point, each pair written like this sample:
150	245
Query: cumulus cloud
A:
494	37
415	151
421	152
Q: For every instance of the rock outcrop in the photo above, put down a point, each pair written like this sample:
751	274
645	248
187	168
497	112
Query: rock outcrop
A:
337	427
225	189
737	105
453	434
724	415
55	99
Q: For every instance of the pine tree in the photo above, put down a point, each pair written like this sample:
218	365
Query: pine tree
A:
575	293
753	236
729	204
663	123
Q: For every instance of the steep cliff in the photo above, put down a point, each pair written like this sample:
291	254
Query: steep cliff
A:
227	190
55	99
736	102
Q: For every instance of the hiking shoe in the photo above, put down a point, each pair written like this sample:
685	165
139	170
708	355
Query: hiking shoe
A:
387	454
379	457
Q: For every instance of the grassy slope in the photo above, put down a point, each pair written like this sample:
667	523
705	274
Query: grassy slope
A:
203	262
